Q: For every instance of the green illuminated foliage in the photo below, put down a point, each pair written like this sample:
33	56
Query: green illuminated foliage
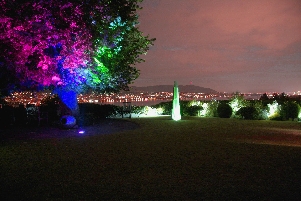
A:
237	102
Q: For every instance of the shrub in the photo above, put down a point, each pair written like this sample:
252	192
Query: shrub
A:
212	109
137	109
273	111
224	110
6	115
188	110
166	107
50	104
290	110
248	112
184	107
193	110
90	113
260	108
236	102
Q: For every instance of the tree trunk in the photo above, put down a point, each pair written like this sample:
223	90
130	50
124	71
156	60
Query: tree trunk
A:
69	104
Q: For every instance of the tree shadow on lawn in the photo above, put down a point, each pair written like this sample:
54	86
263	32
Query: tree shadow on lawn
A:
104	126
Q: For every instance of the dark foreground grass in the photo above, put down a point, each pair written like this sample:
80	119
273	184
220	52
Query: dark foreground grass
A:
192	159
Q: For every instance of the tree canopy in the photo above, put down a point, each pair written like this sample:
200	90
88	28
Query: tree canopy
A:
75	45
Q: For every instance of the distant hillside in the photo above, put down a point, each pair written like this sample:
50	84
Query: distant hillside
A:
169	88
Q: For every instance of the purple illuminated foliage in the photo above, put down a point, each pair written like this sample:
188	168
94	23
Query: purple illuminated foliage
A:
39	44
78	45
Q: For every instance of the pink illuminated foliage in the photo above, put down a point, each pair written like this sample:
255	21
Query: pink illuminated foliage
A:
53	43
38	43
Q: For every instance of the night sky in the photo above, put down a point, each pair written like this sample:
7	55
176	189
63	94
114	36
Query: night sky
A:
226	45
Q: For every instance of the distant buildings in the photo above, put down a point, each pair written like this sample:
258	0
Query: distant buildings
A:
35	98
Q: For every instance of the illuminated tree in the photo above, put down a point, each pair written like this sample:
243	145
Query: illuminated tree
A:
70	45
236	102
274	110
80	45
39	45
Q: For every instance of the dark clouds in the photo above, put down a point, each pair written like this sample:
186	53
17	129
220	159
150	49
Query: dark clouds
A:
230	45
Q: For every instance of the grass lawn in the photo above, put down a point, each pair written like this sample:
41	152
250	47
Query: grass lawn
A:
192	159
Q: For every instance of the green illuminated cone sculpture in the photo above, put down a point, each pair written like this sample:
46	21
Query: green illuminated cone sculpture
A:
176	115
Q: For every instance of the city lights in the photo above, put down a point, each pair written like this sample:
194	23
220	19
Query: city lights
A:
35	98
